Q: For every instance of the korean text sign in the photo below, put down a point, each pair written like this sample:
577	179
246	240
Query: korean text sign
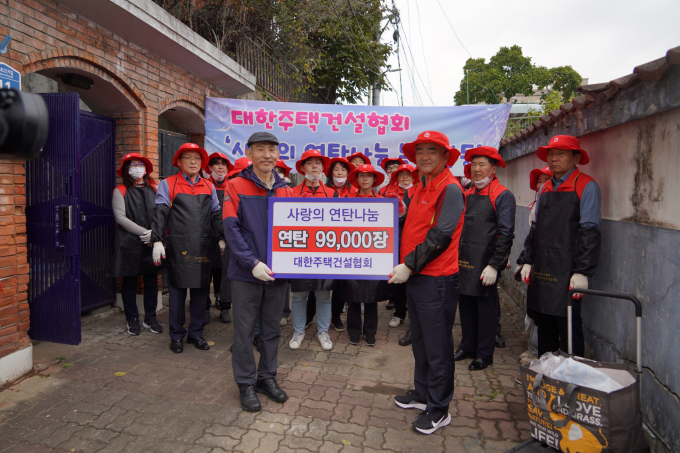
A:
338	238
340	130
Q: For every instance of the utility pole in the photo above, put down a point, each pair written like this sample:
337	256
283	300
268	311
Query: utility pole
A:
467	79
376	90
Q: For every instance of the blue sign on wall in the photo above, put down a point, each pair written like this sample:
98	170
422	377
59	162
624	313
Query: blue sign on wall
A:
9	77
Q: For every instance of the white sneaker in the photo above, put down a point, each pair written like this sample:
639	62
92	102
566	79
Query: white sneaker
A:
325	341
396	322
284	321
296	341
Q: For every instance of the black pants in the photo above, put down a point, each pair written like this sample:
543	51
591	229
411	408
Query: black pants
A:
225	283
337	304
370	324
398	298
177	315
128	292
552	329
286	307
479	321
250	301
432	308
216	278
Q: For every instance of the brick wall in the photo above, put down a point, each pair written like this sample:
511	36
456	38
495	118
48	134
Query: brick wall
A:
47	35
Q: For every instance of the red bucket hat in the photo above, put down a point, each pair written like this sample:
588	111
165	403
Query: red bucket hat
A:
135	156
286	169
566	142
366	168
220	156
241	164
487	151
467	171
387	160
366	159
328	169
409	149
190	147
308	155
535	173
402	167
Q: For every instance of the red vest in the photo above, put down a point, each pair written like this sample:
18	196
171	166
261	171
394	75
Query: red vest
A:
576	182
177	184
322	191
492	190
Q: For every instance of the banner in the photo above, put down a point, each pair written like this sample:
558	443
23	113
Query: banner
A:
340	238
341	130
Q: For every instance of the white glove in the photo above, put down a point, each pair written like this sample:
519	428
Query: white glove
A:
399	274
578	281
526	273
262	272
158	252
488	277
223	244
146	237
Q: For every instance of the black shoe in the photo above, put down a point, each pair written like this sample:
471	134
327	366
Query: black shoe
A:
480	364
406	339
270	388
411	401
133	326
354	340
462	355
338	325
207	317
249	400
199	342
390	305
500	341
153	326
370	340
429	422
256	342
225	316
176	346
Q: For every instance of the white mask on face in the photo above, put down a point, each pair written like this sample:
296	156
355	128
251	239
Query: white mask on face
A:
464	182
483	183
217	177
339	181
311	178
137	172
405	187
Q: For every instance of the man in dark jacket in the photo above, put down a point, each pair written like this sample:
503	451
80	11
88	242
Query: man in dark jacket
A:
255	292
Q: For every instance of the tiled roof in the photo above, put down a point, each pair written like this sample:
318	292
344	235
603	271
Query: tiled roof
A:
600	93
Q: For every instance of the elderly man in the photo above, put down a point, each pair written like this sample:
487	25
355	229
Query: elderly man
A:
429	261
485	244
562	249
255	292
188	209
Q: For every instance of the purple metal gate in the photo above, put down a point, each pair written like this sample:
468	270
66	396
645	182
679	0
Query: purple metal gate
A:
69	220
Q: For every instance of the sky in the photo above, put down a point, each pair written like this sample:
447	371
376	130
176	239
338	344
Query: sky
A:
601	39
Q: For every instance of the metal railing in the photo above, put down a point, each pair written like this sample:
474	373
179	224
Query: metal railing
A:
517	124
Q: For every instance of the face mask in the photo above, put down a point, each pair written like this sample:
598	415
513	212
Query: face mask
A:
483	183
217	177
339	181
137	173
464	182
405	187
311	178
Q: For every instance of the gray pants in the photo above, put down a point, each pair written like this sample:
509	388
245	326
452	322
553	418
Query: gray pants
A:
250	300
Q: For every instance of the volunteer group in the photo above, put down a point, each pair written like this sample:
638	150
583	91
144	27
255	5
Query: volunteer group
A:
209	222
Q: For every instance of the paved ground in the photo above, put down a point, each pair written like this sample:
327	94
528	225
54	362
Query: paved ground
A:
116	393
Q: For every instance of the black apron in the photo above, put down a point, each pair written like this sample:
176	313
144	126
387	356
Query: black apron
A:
131	257
554	248
216	254
477	243
190	241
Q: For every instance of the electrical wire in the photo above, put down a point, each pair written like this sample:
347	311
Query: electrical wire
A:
418	72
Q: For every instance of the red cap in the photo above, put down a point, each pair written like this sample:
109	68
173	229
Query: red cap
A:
190	147
241	164
366	159
409	149
387	160
402	167
566	142
535	173
487	151
338	159
366	168
221	156
286	169
466	171
308	155
135	156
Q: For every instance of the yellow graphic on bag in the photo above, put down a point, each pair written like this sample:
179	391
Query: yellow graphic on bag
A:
576	438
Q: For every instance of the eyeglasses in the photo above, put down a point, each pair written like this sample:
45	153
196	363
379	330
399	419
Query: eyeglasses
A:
141	165
392	167
191	159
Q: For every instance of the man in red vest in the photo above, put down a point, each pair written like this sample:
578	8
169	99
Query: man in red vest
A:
429	261
562	249
485	244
